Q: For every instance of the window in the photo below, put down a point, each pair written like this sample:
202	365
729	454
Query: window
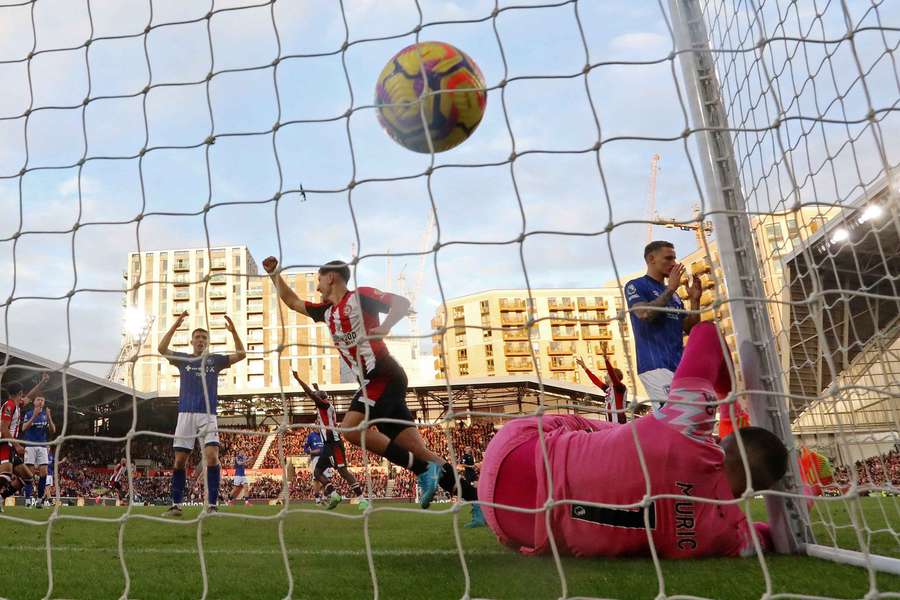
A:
489	351
463	369
485	307
486	334
462	355
792	229
490	364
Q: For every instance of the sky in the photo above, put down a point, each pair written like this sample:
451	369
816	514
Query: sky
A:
66	230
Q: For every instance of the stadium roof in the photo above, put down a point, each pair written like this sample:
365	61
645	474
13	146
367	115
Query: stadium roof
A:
87	395
851	268
427	399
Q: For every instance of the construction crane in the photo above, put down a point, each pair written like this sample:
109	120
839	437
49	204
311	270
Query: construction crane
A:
412	293
700	228
651	196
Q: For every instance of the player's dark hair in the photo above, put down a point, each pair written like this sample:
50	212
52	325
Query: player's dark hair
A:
14	388
199	329
657	245
336	266
767	455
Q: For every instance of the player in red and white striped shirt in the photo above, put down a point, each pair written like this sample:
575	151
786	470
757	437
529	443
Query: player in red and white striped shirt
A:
119	477
332	455
352	317
616	390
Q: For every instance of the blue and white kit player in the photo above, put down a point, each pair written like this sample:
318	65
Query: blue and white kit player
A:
240	477
659	334
37	427
313	446
197	403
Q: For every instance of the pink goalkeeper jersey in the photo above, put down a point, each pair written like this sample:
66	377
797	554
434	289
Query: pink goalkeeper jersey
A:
598	462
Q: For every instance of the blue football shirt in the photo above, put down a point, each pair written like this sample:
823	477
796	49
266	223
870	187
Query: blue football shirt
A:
313	442
659	342
39	432
193	371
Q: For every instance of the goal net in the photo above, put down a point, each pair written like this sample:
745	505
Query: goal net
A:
186	141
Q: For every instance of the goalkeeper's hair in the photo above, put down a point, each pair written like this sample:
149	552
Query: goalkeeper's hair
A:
766	454
336	266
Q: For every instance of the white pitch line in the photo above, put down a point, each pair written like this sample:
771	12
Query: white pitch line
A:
244	551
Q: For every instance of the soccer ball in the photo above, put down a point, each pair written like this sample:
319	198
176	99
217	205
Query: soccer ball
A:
453	105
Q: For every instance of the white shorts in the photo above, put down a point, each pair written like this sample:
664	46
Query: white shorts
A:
36	455
48	480
194	426
313	462
240	480
657	384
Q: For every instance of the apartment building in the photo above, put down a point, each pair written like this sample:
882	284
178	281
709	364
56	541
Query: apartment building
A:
488	334
161	284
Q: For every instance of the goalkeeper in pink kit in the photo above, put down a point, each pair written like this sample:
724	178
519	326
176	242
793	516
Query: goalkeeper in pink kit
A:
598	462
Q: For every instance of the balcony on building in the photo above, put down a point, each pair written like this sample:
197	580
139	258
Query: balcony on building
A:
182	294
598	316
564	333
512	304
514	319
218	264
560	348
561	363
699	268
603	348
217	322
181	280
516	334
519	364
595	332
255	289
217	292
182	264
255	319
217	307
592	303
218	279
560	304
255	307
563	317
517	349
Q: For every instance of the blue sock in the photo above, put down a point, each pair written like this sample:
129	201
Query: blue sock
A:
213	475
42	486
28	489
178	478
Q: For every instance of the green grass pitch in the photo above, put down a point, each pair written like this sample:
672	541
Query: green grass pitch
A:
414	557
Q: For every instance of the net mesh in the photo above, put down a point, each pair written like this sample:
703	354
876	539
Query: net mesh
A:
154	99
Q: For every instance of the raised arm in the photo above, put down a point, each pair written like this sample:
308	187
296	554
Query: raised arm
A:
163	347
50	422
311	394
287	295
613	374
643	307
596	380
40	384
239	353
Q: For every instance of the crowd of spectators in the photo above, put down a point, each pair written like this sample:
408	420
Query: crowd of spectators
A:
84	474
878	471
476	436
